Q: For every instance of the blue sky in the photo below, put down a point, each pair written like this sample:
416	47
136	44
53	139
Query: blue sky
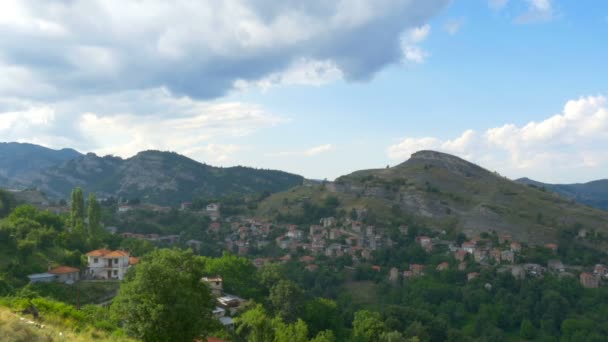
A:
518	86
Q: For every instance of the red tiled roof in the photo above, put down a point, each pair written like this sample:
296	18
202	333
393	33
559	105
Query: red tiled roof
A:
307	258
99	252
63	270
107	253
133	260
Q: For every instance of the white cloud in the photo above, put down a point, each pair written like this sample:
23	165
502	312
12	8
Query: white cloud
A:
573	140
318	150
125	123
310	152
410	41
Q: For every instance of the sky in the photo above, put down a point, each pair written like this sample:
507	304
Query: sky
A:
319	88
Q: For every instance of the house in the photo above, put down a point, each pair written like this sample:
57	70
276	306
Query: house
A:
555	266
480	255
443	266
334	234
212	207
107	264
504	238
283	242
111	229
417	269
460	255
403	229
286	258
124	208
425	242
552	247
376	268
230	301
215	284
295	233
600	270
472	275
370	231
61	274
535	270
589	280
185	206
307	259
515	247
507	256
469	246
327	222
496	255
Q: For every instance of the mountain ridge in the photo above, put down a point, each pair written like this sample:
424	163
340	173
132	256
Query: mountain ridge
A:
441	191
154	176
593	193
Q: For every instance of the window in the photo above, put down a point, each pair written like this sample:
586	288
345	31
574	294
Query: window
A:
115	261
115	272
95	260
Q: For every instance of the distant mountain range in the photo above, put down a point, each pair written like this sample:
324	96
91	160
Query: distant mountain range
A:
594	193
442	191
152	176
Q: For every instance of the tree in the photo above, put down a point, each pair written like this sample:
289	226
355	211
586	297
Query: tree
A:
367	326
287	299
322	314
77	209
526	330
163	298
296	332
255	326
94	214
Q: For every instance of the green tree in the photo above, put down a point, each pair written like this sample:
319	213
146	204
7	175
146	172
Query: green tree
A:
94	214
163	299
287	299
296	332
527	330
322	314
77	209
255	326
367	326
324	336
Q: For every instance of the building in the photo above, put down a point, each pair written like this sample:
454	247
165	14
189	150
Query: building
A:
215	284
107	264
472	275
469	246
600	270
515	247
589	280
443	266
555	266
507	256
393	274
212	207
61	274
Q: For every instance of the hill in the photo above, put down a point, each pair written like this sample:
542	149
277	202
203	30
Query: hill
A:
17	159
156	177
594	194
441	191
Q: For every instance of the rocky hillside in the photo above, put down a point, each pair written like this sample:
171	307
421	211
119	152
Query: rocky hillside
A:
156	177
593	194
442	190
18	161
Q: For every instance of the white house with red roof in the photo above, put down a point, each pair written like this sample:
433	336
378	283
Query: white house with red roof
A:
109	265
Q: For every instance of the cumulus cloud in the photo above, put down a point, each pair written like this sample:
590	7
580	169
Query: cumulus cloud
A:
125	123
572	140
201	48
310	152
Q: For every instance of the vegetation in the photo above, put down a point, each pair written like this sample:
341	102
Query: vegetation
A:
163	299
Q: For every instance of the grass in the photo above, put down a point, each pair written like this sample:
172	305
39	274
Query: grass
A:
15	328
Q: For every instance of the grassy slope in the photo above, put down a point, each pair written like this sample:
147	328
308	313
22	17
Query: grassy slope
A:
13	328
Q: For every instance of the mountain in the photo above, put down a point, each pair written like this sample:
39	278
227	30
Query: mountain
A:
593	194
17	160
441	191
154	176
